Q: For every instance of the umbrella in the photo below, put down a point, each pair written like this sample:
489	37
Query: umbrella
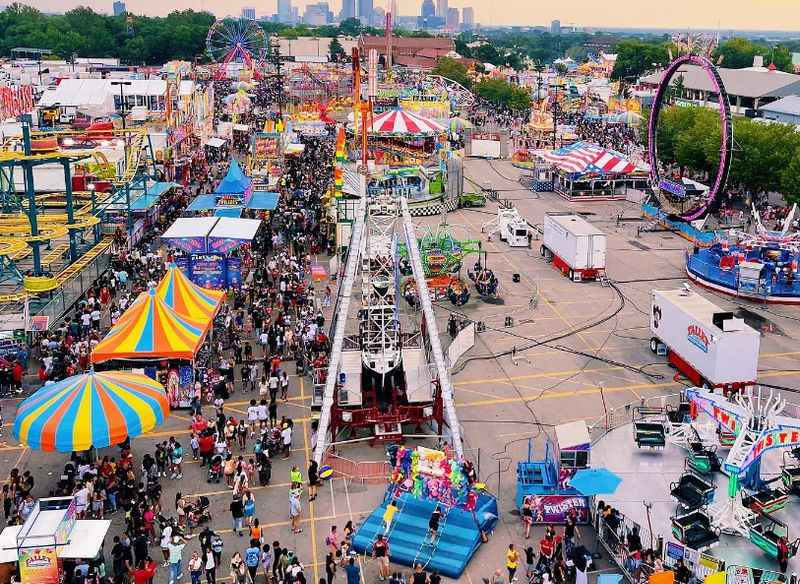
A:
92	409
595	481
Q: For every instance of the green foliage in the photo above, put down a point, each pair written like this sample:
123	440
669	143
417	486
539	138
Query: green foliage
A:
636	57
503	93
452	69
738	53
766	156
336	50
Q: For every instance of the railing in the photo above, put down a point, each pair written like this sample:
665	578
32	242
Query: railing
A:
730	279
358	470
613	540
685	230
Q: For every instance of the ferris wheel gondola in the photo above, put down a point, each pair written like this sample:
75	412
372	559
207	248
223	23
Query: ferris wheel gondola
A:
236	41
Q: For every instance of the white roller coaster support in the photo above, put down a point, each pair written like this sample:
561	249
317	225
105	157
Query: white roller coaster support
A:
345	295
445	386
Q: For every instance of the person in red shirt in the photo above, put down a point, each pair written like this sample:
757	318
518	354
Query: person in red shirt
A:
206	447
546	549
199	423
16	375
144	572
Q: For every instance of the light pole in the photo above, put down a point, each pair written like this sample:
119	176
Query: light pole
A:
123	113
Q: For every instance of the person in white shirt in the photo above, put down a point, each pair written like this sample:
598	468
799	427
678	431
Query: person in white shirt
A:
286	437
252	416
95	319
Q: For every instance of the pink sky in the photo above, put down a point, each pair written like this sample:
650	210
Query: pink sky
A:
727	14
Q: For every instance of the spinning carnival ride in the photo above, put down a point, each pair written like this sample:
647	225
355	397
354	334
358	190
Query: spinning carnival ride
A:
672	195
756	423
240	41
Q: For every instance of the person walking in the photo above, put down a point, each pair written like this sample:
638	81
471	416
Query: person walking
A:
196	567
210	566
237	514
380	551
238	569
294	510
352	572
330	568
512	561
175	556
252	559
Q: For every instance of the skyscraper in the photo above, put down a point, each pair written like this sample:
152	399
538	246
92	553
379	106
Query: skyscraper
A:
365	13
348	9
468	18
285	11
555	27
119	8
452	18
248	13
428	9
441	8
394	9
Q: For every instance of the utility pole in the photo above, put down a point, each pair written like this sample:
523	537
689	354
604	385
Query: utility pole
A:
276	59
555	114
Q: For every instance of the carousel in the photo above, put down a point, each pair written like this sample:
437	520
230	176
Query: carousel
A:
400	138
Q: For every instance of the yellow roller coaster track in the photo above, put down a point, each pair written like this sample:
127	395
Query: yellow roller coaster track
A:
46	283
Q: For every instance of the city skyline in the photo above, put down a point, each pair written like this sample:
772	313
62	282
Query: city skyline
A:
679	14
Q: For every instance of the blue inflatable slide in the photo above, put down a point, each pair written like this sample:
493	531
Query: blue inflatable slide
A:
409	540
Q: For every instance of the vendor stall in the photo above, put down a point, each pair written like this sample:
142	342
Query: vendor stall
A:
400	137
586	171
50	542
213	247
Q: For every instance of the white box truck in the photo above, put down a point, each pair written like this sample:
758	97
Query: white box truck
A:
708	345
574	246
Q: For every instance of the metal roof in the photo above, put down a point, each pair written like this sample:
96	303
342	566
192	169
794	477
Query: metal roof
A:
789	105
742	82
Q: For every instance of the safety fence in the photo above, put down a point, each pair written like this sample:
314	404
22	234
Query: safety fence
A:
615	535
682	228
361	471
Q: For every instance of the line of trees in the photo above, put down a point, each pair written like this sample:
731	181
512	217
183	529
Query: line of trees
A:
496	91
766	157
137	40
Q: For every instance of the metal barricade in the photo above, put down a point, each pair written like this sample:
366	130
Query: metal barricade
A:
364	472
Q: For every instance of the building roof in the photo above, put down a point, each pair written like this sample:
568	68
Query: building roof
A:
415	62
379	42
95	92
789	105
741	82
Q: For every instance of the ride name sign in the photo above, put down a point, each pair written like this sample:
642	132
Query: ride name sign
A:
673	188
769	439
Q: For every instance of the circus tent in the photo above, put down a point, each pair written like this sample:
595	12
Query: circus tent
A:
187	298
150	329
399	122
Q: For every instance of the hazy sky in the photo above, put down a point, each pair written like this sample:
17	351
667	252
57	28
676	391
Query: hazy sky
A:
726	14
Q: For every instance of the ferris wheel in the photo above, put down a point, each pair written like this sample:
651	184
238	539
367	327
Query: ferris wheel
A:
236	41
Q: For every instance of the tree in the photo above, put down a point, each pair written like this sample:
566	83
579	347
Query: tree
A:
350	27
561	68
738	52
504	94
634	58
452	69
790	179
336	50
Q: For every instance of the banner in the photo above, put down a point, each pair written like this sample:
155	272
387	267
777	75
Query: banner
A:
233	272
208	271
38	566
436	109
556	508
15	101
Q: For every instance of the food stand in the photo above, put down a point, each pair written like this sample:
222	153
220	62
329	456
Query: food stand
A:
50	542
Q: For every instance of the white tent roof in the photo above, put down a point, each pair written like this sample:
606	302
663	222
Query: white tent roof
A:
97	92
235	228
85	539
190	227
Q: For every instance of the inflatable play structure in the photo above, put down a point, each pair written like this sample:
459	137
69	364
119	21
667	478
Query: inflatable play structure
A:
761	266
424	479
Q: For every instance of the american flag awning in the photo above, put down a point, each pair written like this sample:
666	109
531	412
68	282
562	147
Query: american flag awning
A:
586	158
402	122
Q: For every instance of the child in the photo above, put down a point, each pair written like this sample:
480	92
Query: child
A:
262	414
195	444
252	417
388	516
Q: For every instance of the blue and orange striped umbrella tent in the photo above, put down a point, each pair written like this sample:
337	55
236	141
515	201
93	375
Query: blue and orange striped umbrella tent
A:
90	410
150	329
187	298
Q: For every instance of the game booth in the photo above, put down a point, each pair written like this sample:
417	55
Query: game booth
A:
550	485
164	331
397	137
214	248
586	171
234	194
422	480
51	542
